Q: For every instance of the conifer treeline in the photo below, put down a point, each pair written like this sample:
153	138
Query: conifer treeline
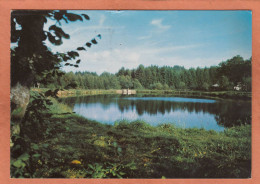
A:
226	75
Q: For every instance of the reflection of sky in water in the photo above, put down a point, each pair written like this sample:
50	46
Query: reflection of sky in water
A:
182	118
172	99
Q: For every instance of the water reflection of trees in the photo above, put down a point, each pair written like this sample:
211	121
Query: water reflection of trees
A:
102	99
226	113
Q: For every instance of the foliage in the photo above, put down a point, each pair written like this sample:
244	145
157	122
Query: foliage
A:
235	69
24	151
31	60
107	171
157	85
205	86
158	78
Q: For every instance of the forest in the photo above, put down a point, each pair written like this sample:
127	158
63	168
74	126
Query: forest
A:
230	73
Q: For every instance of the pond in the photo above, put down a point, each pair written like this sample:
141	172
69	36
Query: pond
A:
182	112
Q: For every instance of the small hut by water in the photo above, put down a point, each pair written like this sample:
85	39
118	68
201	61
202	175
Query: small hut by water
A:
126	91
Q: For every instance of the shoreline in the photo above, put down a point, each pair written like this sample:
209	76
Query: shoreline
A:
204	94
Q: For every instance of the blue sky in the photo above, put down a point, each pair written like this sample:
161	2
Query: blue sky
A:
185	38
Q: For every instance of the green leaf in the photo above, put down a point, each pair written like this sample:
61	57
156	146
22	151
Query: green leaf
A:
119	149
73	54
19	163
85	16
98	167
90	166
45	145
115	144
58	16
94	41
73	17
35	147
81	48
55	40
59	32
24	157
132	166
121	173
16	147
88	44
37	155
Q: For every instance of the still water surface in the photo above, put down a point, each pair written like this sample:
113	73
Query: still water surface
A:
182	112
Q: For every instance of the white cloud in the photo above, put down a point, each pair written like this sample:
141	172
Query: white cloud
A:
116	11
102	20
158	23
107	60
112	60
145	37
100	26
160	50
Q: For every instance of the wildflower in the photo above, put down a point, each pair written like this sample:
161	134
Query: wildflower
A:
40	162
75	162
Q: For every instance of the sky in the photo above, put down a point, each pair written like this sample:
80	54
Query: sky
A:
184	38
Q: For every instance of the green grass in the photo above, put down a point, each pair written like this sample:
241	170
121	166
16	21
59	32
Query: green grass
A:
188	93
74	147
203	94
77	92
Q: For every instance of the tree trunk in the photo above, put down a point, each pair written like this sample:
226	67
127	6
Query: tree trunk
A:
20	96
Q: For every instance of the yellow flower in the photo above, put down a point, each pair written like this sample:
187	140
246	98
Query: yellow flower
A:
40	162
195	154
75	162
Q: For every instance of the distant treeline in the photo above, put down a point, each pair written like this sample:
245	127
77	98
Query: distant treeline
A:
233	72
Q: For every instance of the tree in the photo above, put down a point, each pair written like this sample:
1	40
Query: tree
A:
224	82
247	83
235	69
182	85
205	86
157	85
137	84
140	75
125	82
121	72
31	59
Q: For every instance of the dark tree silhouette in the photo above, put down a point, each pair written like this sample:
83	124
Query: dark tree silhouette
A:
31	60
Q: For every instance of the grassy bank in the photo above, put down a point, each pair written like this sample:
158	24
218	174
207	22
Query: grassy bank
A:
77	92
74	147
204	94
